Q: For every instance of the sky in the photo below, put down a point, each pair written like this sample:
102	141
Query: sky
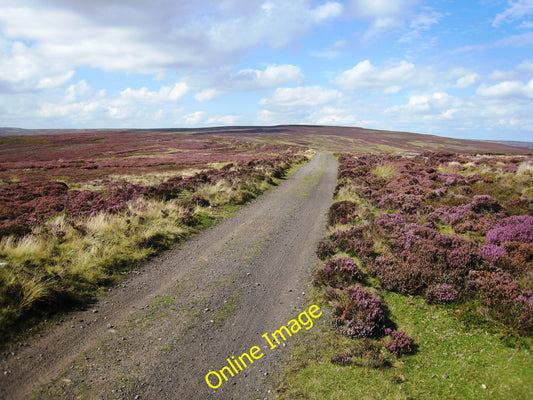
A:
452	68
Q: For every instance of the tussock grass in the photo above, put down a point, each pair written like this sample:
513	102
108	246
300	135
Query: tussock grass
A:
156	177
74	259
27	249
347	192
21	290
386	171
525	169
524	175
217	193
33	289
224	192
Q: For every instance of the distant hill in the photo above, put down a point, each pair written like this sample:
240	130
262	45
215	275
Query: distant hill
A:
333	138
527	145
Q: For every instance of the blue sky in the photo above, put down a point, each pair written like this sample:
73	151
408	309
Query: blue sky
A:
452	68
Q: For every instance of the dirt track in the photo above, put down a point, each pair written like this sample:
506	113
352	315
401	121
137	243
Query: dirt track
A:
185	312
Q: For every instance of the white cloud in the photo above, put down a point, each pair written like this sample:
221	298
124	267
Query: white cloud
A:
22	70
117	112
467	81
81	111
524	70
272	76
218	81
77	91
421	23
508	89
193	118
328	10
81	104
520	40
166	93
276	23
141	37
205	95
221	81
384	14
87	42
51	82
332	116
437	102
449	113
178	91
301	96
517	10
378	8
392	89
525	66
365	76
267	117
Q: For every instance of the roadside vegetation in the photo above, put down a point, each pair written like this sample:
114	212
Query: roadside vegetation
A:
427	273
67	232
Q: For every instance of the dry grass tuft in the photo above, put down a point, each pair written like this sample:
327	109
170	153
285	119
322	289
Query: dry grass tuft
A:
385	171
525	169
33	289
28	249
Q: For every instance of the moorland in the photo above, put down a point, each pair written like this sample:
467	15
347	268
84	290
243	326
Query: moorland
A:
424	267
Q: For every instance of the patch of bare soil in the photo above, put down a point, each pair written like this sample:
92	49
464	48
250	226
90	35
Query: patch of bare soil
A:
184	313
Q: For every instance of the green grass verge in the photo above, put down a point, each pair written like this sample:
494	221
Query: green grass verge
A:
453	361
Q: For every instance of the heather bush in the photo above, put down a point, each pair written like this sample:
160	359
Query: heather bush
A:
478	215
420	256
359	313
407	203
341	359
340	212
441	294
519	206
339	273
504	299
397	276
325	249
517	228
399	343
343	240
332	294
492	253
517	260
485	204
354	241
463	256
390	221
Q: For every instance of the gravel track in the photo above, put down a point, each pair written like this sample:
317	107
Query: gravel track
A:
182	314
